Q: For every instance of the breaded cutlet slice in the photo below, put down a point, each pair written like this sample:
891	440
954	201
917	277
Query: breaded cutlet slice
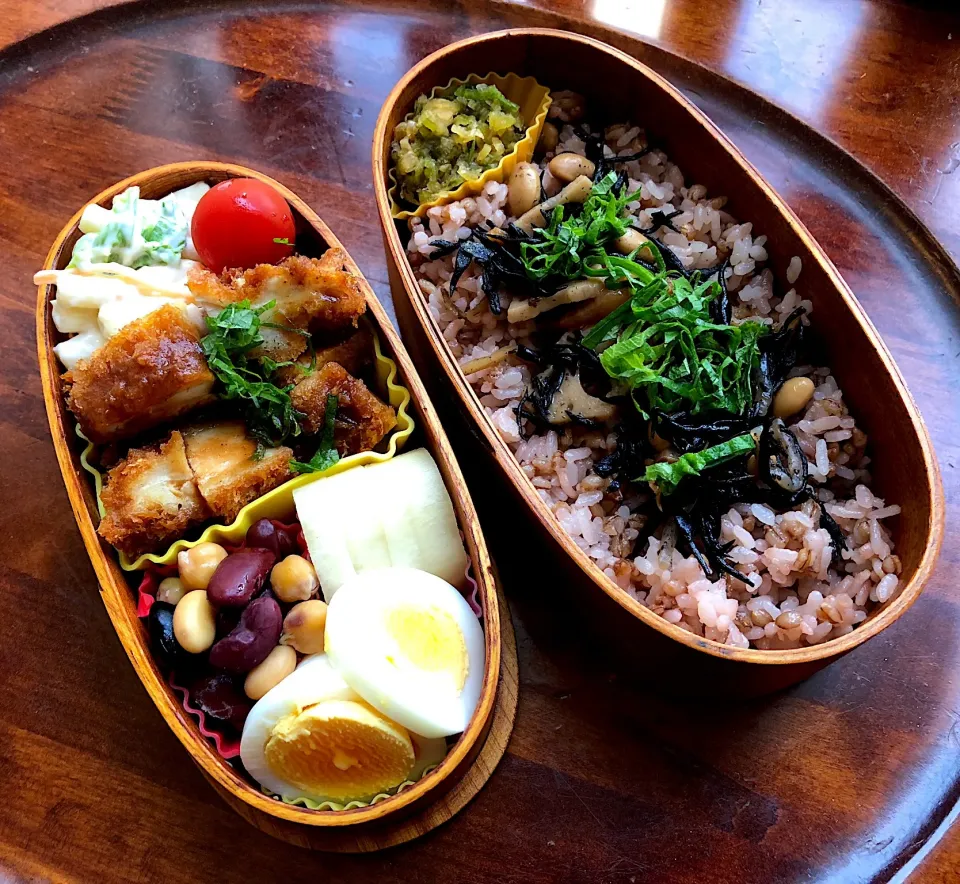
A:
311	294
362	419
227	474
151	499
151	371
354	354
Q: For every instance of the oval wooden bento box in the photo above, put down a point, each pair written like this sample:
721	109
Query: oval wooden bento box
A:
470	761
618	87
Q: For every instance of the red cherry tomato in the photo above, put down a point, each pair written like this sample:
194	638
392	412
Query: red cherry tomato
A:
240	223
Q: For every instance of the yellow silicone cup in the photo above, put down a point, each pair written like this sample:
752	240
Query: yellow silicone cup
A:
278	504
534	101
350	805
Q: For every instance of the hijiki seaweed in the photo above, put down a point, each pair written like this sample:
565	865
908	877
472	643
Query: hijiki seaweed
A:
680	370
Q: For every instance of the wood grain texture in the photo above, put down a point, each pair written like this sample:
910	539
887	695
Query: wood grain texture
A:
840	779
359	829
616	86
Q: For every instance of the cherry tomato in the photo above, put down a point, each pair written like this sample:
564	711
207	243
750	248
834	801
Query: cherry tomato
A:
240	223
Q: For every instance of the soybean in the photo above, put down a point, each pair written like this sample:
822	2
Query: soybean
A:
279	663
549	138
567	167
523	191
792	397
195	622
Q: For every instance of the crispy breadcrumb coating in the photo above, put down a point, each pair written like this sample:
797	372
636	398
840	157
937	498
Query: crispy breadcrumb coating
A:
151	371
354	354
311	294
362	419
151	499
227	473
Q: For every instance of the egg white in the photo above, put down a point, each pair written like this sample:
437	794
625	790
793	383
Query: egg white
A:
360	647
313	681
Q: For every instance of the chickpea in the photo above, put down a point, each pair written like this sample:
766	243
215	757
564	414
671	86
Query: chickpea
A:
523	189
792	397
294	579
567	167
195	622
170	590
198	564
279	663
549	138
304	626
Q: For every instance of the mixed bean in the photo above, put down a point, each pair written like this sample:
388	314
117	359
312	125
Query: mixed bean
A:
231	625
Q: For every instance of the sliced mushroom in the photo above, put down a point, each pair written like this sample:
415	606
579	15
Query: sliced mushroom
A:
575	192
591	312
571	399
522	310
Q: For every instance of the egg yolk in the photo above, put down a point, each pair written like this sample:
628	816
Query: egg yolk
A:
341	749
429	640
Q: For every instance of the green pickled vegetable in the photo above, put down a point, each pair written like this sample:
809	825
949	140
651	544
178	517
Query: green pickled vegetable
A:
452	139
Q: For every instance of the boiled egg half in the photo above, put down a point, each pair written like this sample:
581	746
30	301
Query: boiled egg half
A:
312	736
409	644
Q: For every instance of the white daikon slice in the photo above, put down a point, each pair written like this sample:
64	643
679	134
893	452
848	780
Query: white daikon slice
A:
321	507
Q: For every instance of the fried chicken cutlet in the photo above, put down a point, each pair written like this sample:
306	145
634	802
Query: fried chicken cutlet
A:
227	472
149	372
354	354
362	419
151	499
311	294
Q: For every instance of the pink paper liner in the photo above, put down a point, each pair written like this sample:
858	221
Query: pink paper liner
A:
226	745
472	599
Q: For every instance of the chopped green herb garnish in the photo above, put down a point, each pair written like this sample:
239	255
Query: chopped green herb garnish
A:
326	455
666	476
281	240
668	348
234	333
571	248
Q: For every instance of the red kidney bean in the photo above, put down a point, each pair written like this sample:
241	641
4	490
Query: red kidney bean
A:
239	576
255	637
219	697
267	534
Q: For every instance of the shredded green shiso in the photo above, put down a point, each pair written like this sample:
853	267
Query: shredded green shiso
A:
667	476
452	139
666	348
326	455
234	333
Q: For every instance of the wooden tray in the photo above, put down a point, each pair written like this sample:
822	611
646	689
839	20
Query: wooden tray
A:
844	778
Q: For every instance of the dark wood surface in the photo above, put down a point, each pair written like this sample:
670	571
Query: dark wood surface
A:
845	778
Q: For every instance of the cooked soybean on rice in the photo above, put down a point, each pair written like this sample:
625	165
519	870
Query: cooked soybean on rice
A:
775	546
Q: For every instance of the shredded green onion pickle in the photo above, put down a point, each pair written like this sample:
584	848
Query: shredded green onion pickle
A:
451	139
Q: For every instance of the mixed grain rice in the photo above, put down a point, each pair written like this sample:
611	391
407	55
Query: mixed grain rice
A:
797	596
